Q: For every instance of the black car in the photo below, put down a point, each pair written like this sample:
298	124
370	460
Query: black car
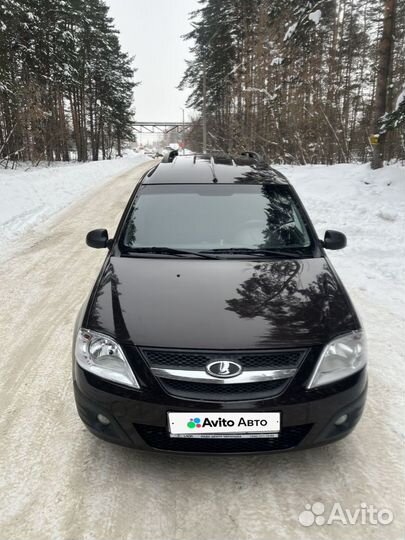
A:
217	323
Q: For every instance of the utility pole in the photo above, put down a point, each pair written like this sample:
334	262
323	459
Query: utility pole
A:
184	135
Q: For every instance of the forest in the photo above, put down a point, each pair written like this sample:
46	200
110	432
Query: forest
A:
66	87
317	81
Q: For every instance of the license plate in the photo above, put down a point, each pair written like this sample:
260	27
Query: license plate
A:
224	425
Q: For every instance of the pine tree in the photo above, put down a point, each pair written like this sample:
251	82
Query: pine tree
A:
65	83
295	81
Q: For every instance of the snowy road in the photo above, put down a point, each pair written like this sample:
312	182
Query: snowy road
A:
59	482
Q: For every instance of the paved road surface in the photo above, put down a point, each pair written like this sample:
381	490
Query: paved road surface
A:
58	482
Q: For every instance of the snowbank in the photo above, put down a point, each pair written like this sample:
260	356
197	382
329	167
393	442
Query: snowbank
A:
369	207
28	198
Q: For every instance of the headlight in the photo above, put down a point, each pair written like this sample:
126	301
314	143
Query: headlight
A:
102	356
342	357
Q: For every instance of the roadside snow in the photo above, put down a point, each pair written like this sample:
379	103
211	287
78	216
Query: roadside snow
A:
29	198
369	207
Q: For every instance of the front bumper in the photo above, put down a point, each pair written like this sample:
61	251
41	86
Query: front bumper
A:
139	419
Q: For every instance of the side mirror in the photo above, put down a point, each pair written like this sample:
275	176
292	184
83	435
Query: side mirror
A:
334	240
97	239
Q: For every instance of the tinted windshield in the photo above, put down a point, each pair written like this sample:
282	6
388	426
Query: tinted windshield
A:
208	217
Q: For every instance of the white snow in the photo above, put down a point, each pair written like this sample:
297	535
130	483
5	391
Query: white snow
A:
277	61
290	31
388	215
315	17
30	197
400	99
369	207
271	97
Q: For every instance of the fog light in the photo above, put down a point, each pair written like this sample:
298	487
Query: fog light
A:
103	419
341	420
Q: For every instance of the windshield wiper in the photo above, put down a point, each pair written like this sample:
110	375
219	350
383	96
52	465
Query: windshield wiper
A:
168	251
258	251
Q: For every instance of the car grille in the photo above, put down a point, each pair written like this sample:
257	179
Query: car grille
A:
211	391
223	392
158	438
199	359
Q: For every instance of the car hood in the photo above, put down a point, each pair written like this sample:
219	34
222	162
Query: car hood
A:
220	304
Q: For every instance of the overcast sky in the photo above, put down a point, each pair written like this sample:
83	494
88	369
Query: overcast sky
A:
150	31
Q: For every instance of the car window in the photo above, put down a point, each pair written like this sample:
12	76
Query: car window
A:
205	217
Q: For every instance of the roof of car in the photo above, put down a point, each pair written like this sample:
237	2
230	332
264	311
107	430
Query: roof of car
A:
208	169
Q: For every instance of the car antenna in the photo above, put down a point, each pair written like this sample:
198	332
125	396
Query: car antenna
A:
214	178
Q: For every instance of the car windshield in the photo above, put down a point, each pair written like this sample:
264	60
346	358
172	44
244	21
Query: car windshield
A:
215	218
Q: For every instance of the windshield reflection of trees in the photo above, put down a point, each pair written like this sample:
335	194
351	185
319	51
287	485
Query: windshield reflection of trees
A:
277	292
281	229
